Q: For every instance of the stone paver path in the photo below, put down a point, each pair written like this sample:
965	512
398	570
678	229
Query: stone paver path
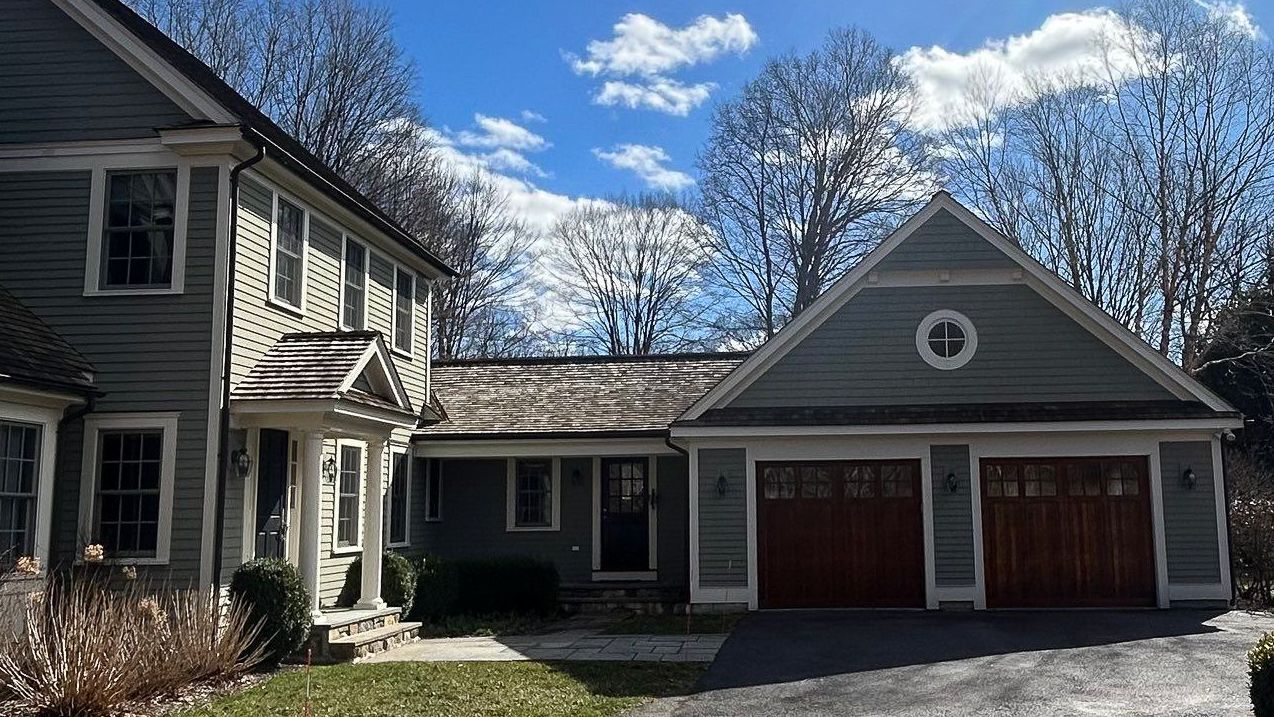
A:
570	644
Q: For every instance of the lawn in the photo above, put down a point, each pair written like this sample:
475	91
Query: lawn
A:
460	689
674	624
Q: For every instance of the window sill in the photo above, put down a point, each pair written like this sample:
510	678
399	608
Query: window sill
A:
169	291
532	529
285	307
402	354
347	550
398	545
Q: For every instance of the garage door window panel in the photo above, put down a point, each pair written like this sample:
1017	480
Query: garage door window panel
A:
860	481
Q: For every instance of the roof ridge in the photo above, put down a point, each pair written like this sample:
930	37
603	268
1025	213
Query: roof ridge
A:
595	359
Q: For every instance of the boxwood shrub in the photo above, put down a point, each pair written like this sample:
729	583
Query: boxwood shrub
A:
397	582
437	589
1260	664
509	584
278	601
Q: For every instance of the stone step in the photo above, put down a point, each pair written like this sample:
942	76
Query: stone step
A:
357	622
360	645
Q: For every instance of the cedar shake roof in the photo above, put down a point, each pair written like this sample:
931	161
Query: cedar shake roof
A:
316	366
578	396
956	413
32	353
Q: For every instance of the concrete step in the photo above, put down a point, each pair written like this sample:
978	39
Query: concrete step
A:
360	645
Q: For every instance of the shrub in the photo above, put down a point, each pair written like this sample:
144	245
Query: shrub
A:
397	582
437	589
510	584
278	601
86	649
1260	665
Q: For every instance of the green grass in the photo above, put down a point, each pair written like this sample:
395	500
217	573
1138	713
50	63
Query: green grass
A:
461	689
485	625
674	624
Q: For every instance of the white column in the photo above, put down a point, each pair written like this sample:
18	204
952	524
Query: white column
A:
311	511
373	527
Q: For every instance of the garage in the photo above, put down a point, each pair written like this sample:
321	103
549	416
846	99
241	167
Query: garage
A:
1067	532
840	534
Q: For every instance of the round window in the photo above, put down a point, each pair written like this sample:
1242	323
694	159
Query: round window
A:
946	339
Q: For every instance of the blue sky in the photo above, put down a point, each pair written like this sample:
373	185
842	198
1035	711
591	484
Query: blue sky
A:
547	132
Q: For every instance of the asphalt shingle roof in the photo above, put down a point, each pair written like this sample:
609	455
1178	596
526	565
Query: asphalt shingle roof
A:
33	353
573	395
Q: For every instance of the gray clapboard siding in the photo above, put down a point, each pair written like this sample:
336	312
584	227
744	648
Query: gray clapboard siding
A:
952	517
1028	350
152	353
1189	515
58	83
944	242
723	532
232	533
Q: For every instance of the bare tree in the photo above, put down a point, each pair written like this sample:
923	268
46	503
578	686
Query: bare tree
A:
629	271
805	171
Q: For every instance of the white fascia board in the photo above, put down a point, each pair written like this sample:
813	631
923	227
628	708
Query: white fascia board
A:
538	448
1195	425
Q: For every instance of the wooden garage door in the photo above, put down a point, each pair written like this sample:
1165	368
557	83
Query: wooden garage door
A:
1067	532
840	534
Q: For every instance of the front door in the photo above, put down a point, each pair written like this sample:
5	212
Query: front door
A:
272	481
625	514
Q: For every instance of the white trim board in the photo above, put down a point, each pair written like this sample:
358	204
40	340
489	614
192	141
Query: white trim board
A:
1197	426
1046	283
425	445
47	419
510	498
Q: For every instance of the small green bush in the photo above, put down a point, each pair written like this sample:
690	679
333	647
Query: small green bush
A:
277	600
1260	664
397	582
437	589
510	584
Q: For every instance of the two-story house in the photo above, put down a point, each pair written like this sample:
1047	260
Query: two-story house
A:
212	349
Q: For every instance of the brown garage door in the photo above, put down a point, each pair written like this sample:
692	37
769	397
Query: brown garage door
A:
840	534
1067	532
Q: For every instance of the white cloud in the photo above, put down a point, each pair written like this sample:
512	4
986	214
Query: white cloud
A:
507	160
500	132
1066	47
1237	15
644	46
639	60
647	163
533	116
660	94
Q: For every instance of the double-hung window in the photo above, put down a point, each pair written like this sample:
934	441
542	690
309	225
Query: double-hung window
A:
139	230
126	491
354	286
404	309
349	477
533	494
19	476
399	498
289	253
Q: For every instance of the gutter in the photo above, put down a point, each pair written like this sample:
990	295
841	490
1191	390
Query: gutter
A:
223	429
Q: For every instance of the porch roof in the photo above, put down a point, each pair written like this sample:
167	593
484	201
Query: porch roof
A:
34	354
575	396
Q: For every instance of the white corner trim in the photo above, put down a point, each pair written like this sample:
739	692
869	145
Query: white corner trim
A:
346	240
357	547
555	487
979	547
1222	519
1158	528
220	302
927	529
695	589
93	425
753	571
97	223
946	363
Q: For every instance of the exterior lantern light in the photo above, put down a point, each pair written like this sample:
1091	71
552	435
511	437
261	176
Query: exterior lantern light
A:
1189	479
241	461
953	483
329	470
722	485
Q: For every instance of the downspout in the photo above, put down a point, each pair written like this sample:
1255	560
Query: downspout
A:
685	452
223	430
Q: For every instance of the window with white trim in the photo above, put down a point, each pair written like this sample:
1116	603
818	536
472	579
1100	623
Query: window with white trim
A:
19	479
349	478
127	485
139	230
290	227
404	308
534	494
399	498
354	286
946	339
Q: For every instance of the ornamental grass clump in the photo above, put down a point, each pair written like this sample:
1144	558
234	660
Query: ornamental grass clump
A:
88	649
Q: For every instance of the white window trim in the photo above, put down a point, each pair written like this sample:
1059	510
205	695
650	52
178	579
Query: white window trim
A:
393	312
510	520
944	363
337	548
94	424
47	419
430	475
396	450
97	223
346	239
270	298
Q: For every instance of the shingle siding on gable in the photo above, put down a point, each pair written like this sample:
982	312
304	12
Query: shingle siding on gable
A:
1189	514
152	353
723	530
58	83
944	242
952	516
1028	351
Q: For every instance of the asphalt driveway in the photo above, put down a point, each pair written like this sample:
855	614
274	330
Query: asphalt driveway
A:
1006	663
